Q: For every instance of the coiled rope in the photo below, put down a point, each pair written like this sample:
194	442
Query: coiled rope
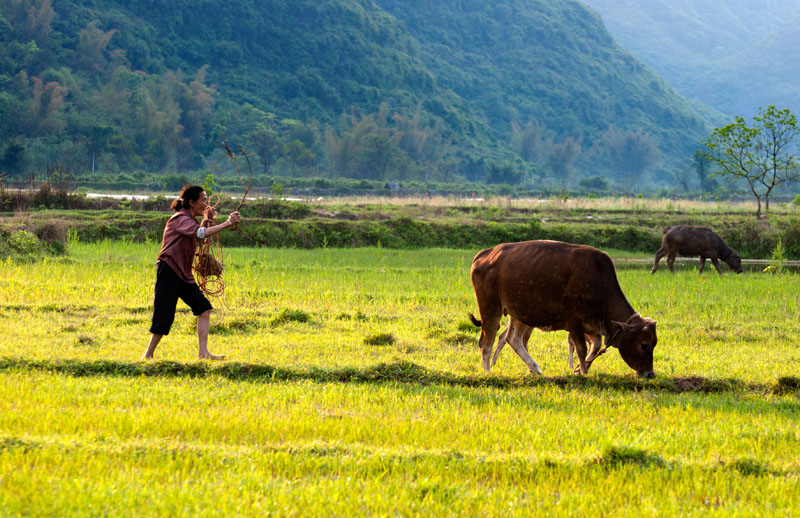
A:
208	262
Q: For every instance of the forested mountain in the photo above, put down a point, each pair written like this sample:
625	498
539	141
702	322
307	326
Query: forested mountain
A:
733	55
510	91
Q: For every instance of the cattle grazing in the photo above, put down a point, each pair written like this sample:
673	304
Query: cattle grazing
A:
516	327
690	241
558	286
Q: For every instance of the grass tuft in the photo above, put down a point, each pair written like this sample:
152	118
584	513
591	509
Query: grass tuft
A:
236	326
787	384
460	339
616	456
380	339
467	327
749	467
289	315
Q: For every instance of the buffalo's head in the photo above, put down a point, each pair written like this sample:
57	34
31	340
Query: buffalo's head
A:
636	340
735	262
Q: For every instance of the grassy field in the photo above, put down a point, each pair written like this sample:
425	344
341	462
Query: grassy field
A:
353	387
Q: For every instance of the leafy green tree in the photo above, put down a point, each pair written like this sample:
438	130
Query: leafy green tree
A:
594	183
91	52
702	167
12	158
764	154
266	144
527	141
421	142
46	105
561	157
631	153
298	155
31	19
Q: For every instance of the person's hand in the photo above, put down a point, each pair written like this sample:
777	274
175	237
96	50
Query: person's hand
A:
234	218
210	213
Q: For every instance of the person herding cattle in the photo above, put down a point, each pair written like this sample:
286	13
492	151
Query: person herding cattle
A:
690	241
554	286
174	272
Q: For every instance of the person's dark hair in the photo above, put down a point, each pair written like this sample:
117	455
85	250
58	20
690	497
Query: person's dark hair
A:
188	193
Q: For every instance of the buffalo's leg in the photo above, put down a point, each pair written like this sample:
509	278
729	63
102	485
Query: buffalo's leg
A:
702	263
671	261
516	338
659	254
715	262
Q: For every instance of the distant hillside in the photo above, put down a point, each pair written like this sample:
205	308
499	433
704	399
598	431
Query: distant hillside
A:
734	55
515	91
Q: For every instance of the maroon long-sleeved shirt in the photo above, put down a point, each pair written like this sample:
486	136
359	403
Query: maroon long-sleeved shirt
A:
179	244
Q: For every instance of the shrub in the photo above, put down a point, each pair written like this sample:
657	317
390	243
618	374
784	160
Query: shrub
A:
21	244
790	237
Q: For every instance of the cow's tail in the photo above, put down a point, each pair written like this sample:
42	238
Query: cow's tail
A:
475	321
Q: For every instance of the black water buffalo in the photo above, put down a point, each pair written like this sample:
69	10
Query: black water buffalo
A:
690	241
552	286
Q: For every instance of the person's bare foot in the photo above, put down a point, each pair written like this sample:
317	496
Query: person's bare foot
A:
209	356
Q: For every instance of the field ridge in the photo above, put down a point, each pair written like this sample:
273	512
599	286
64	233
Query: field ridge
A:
401	371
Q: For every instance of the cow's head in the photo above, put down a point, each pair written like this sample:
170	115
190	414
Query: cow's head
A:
735	262
636	340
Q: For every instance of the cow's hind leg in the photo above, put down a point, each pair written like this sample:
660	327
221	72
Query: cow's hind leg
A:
517	340
702	263
521	328
501	342
490	323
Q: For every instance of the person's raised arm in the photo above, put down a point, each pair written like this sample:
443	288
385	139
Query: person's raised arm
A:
233	218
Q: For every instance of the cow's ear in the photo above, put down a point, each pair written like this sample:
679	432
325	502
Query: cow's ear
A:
626	326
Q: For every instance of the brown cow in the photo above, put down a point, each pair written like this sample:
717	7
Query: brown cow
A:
552	286
516	327
690	241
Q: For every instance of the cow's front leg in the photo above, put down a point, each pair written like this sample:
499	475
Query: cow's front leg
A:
579	341
517	340
571	351
596	351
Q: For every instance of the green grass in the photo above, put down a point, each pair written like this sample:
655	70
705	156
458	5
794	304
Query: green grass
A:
307	417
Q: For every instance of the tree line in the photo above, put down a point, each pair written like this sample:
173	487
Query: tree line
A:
82	99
